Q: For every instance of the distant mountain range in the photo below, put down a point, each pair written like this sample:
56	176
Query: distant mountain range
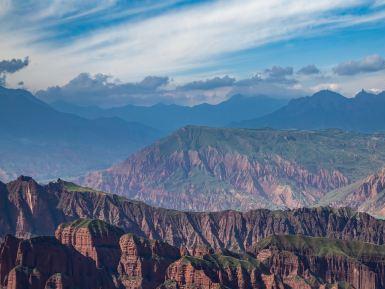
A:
41	141
201	168
326	109
167	118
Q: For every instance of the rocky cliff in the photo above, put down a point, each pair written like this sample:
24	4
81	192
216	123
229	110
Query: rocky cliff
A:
43	262
367	195
30	209
94	239
143	263
208	169
276	262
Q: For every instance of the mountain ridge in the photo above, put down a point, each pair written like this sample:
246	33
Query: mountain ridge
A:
202	168
29	209
326	109
80	257
40	141
168	117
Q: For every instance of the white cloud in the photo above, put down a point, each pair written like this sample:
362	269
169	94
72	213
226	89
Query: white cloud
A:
170	43
5	6
378	3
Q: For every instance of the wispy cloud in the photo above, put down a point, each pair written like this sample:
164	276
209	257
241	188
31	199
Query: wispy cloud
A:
171	38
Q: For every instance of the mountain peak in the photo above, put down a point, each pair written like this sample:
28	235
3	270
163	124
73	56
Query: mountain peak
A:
363	94
327	94
25	179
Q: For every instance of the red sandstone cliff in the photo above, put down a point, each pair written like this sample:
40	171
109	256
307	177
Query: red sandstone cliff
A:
93	239
143	263
226	230
367	195
278	262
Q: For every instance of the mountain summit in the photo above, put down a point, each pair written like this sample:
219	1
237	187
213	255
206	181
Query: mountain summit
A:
327	109
201	168
41	141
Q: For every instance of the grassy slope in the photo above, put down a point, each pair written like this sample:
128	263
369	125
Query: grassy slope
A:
354	154
95	226
323	246
72	187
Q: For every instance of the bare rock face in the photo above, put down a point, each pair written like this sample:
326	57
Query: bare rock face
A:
143	263
44	263
183	274
213	169
276	262
94	239
8	253
59	281
28	209
225	270
366	195
359	265
233	230
283	262
243	183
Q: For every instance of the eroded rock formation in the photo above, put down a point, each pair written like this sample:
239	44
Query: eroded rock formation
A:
237	231
74	260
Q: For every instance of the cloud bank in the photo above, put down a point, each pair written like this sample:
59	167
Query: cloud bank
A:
103	90
371	63
309	70
11	66
276	81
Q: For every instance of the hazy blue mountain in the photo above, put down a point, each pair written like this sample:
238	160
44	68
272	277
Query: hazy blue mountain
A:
40	141
327	109
168	117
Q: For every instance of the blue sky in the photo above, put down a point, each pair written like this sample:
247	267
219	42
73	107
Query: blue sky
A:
197	40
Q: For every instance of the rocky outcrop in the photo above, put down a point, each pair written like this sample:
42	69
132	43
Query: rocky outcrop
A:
211	169
29	209
294	262
358	264
366	195
237	231
94	239
143	263
8	253
44	263
276	262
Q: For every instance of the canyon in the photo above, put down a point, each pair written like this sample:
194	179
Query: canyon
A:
364	195
93	254
62	235
29	209
214	169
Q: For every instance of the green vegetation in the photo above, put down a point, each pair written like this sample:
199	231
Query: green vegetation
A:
72	187
198	263
338	194
354	154
244	261
223	261
322	246
95	226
